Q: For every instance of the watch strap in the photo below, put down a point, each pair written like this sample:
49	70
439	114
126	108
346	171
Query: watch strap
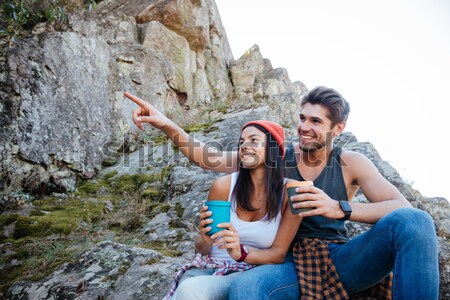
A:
244	253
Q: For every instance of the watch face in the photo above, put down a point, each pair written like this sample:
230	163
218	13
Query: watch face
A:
345	206
245	248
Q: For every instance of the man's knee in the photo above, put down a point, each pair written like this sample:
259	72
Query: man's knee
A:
410	221
409	216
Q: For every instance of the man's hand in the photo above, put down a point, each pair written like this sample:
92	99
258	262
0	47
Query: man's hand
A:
319	201
147	113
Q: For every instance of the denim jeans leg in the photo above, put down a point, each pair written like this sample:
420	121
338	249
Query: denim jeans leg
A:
200	284
274	282
403	241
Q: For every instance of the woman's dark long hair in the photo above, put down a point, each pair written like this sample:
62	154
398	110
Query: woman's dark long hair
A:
244	187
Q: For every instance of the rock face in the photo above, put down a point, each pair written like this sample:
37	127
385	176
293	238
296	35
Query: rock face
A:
62	93
255	80
63	115
56	123
108	271
62	104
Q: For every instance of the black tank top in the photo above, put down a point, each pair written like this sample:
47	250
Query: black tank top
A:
331	181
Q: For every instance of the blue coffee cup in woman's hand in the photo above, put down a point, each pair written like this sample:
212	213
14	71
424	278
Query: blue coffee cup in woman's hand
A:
220	214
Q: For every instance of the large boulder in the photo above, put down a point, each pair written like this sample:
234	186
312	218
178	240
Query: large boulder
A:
59	91
107	271
62	108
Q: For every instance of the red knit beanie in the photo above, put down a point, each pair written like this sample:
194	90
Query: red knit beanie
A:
274	129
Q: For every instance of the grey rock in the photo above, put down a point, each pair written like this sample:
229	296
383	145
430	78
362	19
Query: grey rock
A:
62	106
56	132
108	271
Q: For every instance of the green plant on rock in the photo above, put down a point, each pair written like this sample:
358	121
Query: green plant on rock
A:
164	247
92	187
15	15
91	4
110	174
205	127
55	15
179	210
152	194
130	183
160	139
125	184
50	218
18	17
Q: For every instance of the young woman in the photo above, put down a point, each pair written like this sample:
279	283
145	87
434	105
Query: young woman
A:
261	225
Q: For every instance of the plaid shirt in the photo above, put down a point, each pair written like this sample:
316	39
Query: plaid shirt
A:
318	277
208	262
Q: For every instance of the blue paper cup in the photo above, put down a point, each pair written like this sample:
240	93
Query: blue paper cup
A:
220	214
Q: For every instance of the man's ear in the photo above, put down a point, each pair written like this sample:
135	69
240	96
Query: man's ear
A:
339	128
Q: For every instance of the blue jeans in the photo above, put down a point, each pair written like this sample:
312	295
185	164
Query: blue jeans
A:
200	284
403	241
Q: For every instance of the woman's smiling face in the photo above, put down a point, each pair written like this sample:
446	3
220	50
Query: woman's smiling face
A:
252	147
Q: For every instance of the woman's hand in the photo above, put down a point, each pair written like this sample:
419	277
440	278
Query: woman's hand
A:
147	113
205	241
228	239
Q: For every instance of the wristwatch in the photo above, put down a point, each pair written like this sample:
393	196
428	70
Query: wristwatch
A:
345	206
244	253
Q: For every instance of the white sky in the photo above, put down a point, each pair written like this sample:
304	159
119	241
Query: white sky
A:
389	58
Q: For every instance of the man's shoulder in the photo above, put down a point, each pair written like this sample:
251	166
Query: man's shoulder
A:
351	158
352	154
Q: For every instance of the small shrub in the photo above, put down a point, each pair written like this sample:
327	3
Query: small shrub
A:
18	17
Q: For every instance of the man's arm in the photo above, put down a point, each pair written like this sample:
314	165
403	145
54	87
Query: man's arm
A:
197	152
357	170
383	196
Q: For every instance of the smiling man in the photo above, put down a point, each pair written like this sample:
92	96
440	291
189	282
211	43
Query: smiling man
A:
324	262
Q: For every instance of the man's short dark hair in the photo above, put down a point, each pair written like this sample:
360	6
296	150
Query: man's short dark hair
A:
337	106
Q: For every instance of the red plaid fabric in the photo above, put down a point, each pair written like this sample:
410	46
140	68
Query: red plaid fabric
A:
207	262
318	277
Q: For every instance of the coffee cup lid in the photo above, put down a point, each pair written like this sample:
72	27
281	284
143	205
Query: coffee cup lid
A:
217	203
299	183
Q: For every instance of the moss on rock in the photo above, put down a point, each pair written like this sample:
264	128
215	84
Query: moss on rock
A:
54	217
205	127
110	174
179	210
152	194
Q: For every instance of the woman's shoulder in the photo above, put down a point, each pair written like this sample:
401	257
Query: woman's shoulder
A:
223	179
220	188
